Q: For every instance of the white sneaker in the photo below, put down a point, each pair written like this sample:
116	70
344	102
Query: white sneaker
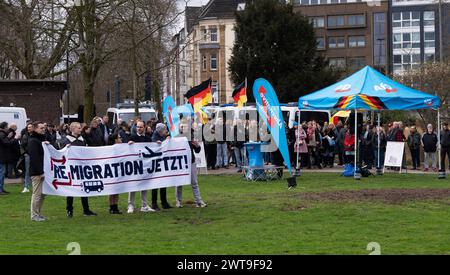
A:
130	209
146	209
25	190
37	219
178	204
202	205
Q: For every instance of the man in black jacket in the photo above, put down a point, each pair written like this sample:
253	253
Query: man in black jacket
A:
36	153
139	137
159	135
13	153
445	145
429	144
6	141
75	139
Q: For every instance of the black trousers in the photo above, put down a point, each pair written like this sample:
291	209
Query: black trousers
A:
84	202
415	156
211	153
162	193
445	150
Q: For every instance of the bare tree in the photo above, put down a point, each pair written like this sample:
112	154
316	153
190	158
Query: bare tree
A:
34	35
433	78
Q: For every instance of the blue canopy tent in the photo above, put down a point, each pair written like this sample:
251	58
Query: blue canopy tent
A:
368	89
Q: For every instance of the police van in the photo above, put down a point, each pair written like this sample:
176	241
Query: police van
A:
125	112
15	115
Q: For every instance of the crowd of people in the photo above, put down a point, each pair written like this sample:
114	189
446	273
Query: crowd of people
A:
21	155
311	145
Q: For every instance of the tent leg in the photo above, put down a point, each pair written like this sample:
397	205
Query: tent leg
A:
379	171
441	174
297	167
356	175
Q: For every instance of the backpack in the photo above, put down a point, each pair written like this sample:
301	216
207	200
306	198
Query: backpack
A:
364	172
348	170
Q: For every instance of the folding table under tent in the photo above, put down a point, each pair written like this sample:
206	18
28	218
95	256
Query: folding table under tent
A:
368	89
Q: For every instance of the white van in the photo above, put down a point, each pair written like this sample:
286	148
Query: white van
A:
125	111
15	115
290	114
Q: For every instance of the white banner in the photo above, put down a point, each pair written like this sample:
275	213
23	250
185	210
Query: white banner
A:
122	168
394	154
200	158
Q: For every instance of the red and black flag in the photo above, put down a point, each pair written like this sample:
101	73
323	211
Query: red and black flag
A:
240	94
200	95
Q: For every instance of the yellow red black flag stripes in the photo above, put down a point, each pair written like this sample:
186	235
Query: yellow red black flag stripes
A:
373	102
240	94
200	95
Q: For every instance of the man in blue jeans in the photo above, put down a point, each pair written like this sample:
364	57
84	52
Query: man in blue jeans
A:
6	140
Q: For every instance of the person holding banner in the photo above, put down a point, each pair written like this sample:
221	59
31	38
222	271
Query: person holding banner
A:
114	199
195	147
75	139
36	153
159	135
140	136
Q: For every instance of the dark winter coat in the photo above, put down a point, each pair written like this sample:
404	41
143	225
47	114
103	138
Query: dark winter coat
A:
36	153
6	142
429	142
445	138
94	138
13	151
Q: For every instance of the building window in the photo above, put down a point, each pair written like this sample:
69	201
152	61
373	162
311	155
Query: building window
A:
335	21
215	91
336	42
356	63
356	41
429	40
337	62
213	34
205	35
379	40
406	40
213	62
320	43
396	19
317	22
357	20
428	18
204	63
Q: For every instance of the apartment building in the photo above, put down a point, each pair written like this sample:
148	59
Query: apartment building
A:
350	34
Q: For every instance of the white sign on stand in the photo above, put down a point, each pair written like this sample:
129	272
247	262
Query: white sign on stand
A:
200	158
394	154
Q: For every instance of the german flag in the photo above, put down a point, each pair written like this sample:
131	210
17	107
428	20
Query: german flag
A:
200	95
373	102
343	102
240	94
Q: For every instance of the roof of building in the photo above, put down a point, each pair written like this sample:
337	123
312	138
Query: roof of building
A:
220	9
192	14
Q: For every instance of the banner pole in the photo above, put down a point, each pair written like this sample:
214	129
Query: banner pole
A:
357	176
379	172
297	168
441	174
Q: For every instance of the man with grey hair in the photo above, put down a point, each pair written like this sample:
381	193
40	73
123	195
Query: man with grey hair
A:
159	135
429	144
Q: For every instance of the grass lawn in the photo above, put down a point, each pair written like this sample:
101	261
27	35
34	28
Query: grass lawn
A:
244	218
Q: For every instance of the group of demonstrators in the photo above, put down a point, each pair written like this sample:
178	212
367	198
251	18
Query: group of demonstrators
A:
98	133
317	144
